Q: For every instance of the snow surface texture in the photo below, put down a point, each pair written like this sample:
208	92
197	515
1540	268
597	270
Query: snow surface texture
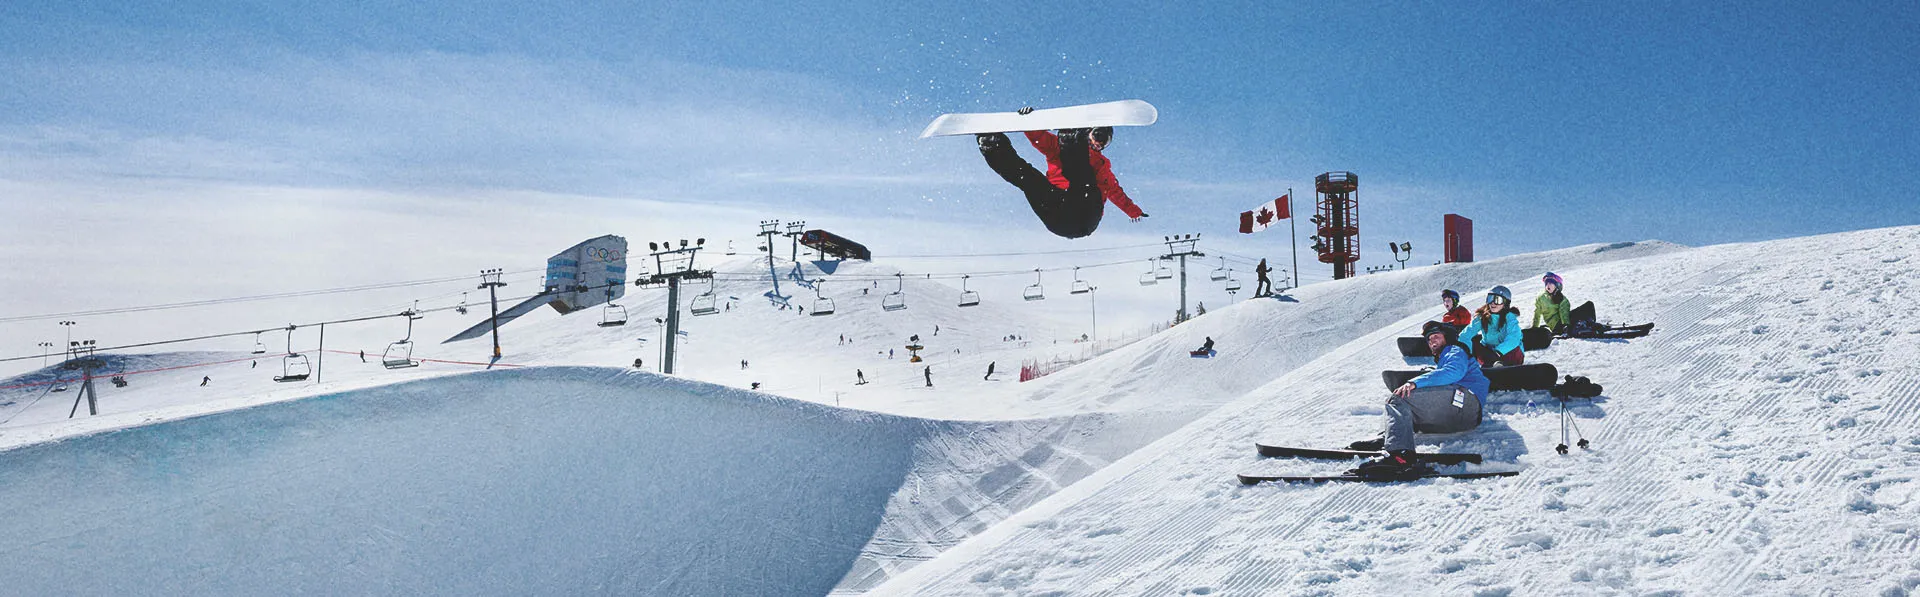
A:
1763	440
961	480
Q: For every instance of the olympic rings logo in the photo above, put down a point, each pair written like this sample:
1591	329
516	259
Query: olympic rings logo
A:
607	255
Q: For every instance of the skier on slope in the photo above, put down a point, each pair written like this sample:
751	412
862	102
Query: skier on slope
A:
1551	308
1457	316
1265	286
1496	331
929	374
1073	194
989	376
1445	400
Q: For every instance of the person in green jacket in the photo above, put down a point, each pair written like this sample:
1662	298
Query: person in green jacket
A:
1551	309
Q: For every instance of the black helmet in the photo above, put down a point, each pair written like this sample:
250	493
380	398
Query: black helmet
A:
1103	134
1452	333
1450	294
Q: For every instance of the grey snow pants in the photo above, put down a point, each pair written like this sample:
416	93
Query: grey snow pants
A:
1440	409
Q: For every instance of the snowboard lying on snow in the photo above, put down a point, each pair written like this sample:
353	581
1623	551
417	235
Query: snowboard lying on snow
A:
1531	339
1531	376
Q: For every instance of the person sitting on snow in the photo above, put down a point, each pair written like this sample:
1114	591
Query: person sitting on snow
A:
1207	347
1551	309
1457	316
1447	399
1496	331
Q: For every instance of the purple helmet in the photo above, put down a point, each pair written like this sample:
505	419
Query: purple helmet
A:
1554	279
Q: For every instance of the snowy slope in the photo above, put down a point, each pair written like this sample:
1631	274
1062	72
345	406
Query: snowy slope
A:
533	481
1762	440
1055	431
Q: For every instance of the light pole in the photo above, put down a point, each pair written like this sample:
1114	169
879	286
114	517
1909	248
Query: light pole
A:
69	325
1401	252
45	348
1093	303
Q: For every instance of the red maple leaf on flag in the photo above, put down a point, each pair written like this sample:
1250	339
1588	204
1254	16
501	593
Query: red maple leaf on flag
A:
1264	217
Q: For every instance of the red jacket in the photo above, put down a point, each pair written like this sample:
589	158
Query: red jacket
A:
1049	144
1459	317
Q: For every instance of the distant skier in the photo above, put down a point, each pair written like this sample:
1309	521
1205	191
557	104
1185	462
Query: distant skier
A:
1265	286
1551	308
363	356
638	365
205	380
743	364
756	386
1497	331
1200	309
1457	316
1073	194
989	376
936	329
929	373
256	365
1445	400
860	375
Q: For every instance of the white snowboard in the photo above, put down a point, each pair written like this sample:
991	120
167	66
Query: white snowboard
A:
1120	113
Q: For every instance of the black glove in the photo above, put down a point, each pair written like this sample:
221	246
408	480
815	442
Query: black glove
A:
1025	111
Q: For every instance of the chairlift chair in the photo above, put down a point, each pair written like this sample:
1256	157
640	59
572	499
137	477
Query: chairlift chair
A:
968	298
821	304
898	299
293	367
1034	292
1079	286
462	307
1233	284
1221	273
258	347
399	355
611	313
1163	272
1149	279
706	303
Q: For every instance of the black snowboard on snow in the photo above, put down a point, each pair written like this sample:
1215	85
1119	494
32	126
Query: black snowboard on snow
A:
1585	326
1324	454
1246	479
1531	376
1532	339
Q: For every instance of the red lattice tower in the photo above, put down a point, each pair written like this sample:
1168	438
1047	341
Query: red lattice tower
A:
1338	220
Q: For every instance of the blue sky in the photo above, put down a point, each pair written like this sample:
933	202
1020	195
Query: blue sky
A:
1550	124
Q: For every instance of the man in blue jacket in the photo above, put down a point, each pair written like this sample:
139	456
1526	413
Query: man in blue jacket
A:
1444	400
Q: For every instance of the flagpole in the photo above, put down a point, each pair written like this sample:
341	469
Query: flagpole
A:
1293	231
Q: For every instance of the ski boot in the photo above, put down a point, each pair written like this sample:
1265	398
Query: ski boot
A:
1397	466
992	141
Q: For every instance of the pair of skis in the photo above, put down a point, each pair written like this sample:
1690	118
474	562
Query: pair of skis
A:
1438	458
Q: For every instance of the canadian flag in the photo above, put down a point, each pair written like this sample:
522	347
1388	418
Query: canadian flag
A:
1266	215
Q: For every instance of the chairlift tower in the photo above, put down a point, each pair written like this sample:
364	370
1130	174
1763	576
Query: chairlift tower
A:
674	265
490	281
1181	247
80	357
769	228
1337	221
794	230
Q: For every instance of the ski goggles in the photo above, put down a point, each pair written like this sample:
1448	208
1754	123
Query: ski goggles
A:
1494	298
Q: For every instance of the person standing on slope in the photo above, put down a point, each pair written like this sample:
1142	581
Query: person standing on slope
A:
929	373
1265	286
1073	194
1551	309
1447	399
1497	331
1457	316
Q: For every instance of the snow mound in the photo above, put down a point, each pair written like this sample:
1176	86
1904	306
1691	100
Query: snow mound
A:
1762	440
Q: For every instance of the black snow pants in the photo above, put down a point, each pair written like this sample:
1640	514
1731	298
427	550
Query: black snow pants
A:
1073	212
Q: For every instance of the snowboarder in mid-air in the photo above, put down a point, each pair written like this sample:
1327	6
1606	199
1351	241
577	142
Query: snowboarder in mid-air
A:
1072	195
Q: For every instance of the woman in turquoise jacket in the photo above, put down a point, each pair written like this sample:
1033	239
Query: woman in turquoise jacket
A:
1497	328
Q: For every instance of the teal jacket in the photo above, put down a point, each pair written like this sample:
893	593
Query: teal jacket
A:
1502	334
1551	313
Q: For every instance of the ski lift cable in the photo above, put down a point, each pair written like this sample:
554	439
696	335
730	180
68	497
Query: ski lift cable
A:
242	299
1023	254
